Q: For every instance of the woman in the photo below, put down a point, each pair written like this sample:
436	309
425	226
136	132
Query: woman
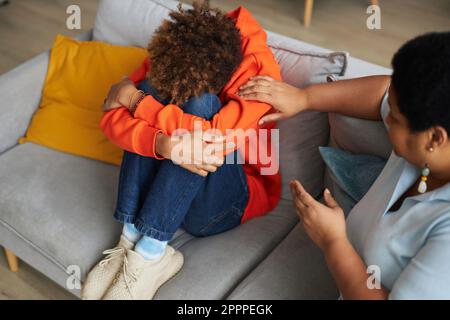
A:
401	228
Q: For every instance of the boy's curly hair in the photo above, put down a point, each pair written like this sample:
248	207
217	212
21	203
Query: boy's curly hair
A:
195	52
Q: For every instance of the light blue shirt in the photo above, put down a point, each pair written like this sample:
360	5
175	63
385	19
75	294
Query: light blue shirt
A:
411	246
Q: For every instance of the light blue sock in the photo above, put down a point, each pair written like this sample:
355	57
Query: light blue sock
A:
150	248
130	232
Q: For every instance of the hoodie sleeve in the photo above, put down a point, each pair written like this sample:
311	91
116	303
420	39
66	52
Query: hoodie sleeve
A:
130	134
236	112
127	132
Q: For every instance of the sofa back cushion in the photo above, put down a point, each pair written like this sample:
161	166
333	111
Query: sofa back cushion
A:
359	136
301	135
132	22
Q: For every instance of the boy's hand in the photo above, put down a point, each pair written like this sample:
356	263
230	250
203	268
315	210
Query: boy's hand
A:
198	152
119	95
286	99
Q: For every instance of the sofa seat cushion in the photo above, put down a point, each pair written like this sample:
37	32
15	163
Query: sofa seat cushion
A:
295	270
215	265
62	205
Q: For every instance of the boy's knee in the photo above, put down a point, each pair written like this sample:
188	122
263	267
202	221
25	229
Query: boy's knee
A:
192	228
204	106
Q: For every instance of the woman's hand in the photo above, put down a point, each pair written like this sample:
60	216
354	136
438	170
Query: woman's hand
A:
119	95
286	99
325	224
199	152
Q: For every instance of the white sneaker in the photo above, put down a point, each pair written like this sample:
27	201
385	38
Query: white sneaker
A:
101	276
140	279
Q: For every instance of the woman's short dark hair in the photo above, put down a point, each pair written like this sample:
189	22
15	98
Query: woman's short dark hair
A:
421	80
196	51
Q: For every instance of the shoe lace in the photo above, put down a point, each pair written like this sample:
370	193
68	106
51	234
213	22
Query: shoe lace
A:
112	254
129	276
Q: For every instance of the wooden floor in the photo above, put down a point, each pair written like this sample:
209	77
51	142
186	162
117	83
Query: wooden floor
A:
28	27
28	284
341	24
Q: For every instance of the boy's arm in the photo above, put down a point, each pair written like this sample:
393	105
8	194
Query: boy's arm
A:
152	117
130	134
134	135
237	113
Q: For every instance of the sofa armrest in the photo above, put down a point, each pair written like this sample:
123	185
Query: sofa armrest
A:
20	95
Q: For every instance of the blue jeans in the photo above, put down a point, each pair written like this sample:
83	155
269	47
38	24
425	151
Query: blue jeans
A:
158	196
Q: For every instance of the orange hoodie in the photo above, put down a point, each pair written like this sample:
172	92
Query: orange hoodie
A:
138	134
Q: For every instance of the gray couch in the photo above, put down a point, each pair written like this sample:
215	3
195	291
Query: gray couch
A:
56	208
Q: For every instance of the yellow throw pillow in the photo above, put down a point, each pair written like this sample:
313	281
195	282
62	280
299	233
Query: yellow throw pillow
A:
79	77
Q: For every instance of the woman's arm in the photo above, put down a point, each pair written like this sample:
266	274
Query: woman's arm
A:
350	272
359	97
325	225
